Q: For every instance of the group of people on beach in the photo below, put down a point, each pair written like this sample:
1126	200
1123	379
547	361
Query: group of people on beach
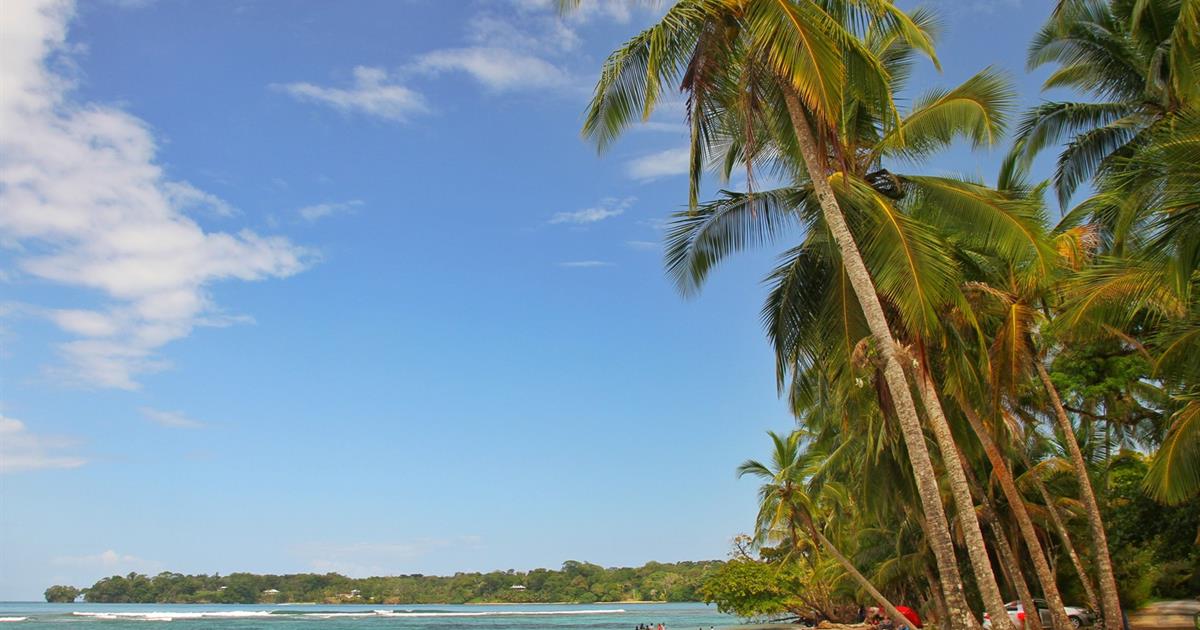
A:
877	617
660	627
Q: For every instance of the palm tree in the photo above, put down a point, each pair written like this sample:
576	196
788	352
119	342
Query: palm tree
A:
1052	509
1152	289
865	453
745	63
1139	59
1006	303
989	352
789	503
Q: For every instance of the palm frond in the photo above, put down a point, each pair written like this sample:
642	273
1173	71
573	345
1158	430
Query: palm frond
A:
634	75
985	219
906	257
1049	123
697	241
976	110
1174	475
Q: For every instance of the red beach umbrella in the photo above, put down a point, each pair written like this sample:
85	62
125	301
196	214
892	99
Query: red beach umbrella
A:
910	615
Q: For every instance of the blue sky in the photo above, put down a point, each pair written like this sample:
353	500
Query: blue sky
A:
309	286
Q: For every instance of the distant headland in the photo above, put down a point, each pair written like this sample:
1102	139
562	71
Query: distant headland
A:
574	583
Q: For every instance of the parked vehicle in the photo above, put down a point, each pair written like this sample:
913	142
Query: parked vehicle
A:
1079	617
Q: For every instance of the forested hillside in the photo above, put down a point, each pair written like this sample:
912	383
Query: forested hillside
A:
576	582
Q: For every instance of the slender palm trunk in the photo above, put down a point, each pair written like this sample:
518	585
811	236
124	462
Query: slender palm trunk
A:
1089	587
938	597
897	618
947	593
822	606
1008	558
1005	551
906	409
1002	473
1110	603
968	520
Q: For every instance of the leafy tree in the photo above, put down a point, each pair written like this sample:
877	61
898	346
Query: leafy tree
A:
61	594
749	588
578	582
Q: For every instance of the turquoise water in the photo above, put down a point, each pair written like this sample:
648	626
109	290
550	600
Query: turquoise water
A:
368	617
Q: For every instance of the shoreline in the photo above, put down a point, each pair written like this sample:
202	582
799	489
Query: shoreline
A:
164	603
621	601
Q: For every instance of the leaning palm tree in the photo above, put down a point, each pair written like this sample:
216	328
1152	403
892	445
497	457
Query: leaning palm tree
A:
1007	320
778	84
902	252
1010	303
1141	61
788	502
863	451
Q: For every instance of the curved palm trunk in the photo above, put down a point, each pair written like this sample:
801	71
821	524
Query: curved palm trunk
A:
898	619
1089	588
906	409
1000	469
1110	603
968	520
823	605
1004	549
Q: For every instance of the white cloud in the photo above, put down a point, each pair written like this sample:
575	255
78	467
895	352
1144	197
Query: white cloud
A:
170	419
541	34
86	205
663	127
498	69
642	245
21	450
616	10
985	7
110	561
367	559
661	164
374	93
185	197
584	264
656	224
506	51
607	208
587	215
321	210
84	322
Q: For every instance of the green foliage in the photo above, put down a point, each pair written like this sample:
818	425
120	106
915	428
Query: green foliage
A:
978	287
1155	552
575	582
61	594
748	588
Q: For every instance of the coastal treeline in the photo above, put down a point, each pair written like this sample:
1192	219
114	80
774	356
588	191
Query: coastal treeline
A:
995	379
574	582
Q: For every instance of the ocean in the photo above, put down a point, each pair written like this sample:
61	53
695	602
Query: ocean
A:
366	617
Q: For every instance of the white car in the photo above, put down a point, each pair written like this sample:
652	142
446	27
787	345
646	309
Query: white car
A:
1079	617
